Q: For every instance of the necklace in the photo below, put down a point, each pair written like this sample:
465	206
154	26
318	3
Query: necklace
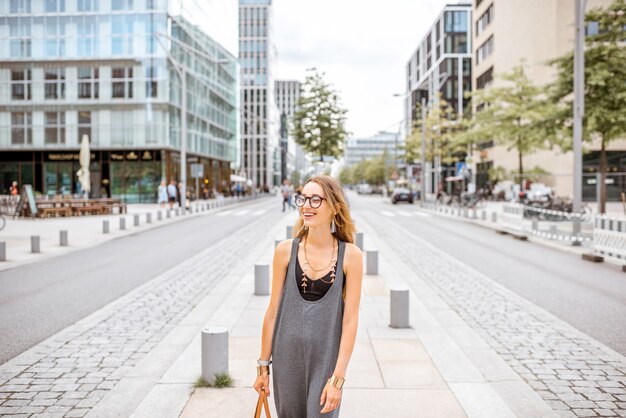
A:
332	265
332	258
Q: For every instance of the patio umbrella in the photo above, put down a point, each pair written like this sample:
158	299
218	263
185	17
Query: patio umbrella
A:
83	172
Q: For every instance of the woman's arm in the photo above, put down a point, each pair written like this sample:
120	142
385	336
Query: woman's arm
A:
353	267
279	268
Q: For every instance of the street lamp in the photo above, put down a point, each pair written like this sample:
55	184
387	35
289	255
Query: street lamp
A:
181	70
579	112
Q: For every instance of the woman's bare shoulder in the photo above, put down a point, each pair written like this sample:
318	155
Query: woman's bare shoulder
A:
352	251
283	249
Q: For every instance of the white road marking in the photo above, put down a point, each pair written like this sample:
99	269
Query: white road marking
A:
423	215
241	212
259	212
387	213
403	213
226	212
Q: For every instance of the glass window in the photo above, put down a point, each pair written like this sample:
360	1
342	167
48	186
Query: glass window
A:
20	6
54	83
88	84
456	21
55	128
122	84
84	125
87	5
21	128
55	6
151	82
21	85
121	4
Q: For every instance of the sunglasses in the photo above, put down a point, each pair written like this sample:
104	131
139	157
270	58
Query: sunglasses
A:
315	201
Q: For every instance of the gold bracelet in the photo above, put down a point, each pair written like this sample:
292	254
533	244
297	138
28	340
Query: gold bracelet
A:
336	382
262	370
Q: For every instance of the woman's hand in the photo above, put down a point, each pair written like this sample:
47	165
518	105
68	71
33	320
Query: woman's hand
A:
331	398
262	382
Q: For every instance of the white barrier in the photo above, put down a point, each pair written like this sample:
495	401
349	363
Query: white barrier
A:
609	237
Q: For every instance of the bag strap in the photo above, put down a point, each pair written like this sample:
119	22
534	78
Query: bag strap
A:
262	402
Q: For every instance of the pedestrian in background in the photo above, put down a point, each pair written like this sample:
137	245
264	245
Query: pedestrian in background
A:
284	190
14	190
172	193
310	325
162	194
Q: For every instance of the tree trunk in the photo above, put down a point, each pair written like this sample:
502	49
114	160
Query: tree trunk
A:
521	170
603	170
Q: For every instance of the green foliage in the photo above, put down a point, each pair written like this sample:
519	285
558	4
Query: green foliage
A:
373	171
295	178
514	115
222	380
319	122
605	88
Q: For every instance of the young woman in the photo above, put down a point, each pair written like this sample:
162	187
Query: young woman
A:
310	325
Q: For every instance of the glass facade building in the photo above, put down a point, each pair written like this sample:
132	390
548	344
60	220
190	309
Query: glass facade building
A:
442	63
260	119
104	69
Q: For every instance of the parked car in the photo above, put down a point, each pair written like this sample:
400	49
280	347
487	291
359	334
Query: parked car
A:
364	189
400	194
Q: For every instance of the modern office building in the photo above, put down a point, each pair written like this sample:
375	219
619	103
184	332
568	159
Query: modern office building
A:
357	149
260	120
70	68
442	63
294	156
506	32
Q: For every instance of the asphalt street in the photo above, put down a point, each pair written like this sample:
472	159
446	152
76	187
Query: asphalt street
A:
43	298
591	297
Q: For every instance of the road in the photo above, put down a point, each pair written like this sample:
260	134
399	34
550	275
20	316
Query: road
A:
43	298
591	297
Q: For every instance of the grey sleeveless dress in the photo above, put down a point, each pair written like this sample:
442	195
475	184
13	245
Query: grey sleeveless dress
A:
305	344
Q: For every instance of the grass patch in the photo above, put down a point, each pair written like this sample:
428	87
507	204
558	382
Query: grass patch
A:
222	380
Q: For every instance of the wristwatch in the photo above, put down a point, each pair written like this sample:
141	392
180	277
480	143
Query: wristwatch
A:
336	382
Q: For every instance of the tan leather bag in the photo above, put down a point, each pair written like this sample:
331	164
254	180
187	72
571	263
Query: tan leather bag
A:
262	402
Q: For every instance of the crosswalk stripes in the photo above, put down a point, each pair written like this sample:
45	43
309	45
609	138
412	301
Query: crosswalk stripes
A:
404	213
259	212
241	212
224	213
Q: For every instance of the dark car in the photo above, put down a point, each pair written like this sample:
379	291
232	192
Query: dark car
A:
401	194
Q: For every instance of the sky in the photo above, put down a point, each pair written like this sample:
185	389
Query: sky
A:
362	46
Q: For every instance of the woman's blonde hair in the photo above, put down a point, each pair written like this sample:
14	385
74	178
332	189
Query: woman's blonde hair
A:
333	192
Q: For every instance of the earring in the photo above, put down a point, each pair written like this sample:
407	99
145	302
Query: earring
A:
333	228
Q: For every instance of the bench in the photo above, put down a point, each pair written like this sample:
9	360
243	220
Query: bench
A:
92	210
54	212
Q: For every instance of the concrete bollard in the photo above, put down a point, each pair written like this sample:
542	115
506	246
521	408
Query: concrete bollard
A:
371	262
177	212
34	244
214	352
494	217
359	240
148	218
399	308
483	215
122	224
261	279
136	220
276	242
474	213
105	227
168	213
289	231
63	238
553	230
159	216
3	251
535	225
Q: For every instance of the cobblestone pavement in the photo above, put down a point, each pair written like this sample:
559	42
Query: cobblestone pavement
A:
576	375
70	372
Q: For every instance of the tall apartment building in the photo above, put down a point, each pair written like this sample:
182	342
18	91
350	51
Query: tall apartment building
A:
260	120
505	32
441	63
287	96
101	68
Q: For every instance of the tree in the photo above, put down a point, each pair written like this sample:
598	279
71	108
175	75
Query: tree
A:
514	115
605	88
319	122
